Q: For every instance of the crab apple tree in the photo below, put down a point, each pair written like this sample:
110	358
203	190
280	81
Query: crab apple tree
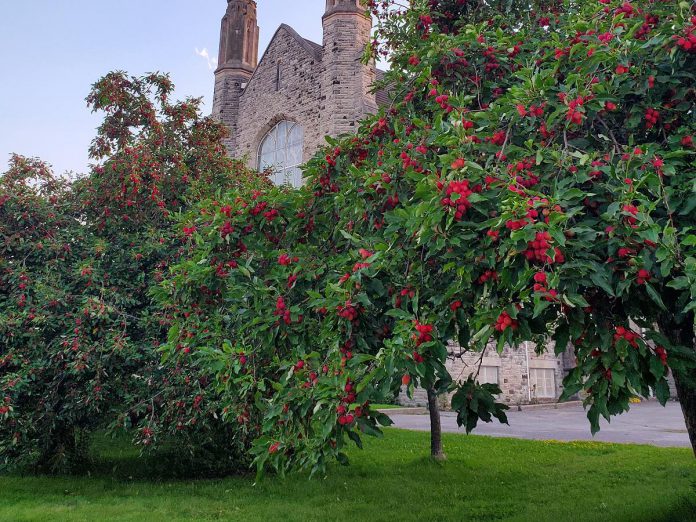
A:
531	180
157	157
79	329
578	120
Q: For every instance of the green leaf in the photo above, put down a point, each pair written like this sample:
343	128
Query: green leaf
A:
655	296
368	429
575	300
483	333
540	306
690	240
657	368
679	283
382	418
539	157
368	378
355	438
561	338
463	333
173	334
423	189
399	313
662	391
342	459
351	237
593	417
601	279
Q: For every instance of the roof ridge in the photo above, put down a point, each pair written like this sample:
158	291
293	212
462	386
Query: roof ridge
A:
310	46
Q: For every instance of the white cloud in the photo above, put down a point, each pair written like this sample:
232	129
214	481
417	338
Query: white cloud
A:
211	60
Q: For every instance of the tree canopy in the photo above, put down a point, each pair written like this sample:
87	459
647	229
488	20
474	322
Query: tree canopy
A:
532	180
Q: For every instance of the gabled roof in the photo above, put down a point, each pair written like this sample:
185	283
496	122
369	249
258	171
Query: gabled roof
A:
316	50
312	48
317	47
382	95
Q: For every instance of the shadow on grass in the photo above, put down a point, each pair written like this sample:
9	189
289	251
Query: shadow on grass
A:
118	459
484	480
684	511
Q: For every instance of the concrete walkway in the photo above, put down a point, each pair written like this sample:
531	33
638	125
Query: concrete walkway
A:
645	423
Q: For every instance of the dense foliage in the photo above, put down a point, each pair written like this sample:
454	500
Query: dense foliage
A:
532	180
79	332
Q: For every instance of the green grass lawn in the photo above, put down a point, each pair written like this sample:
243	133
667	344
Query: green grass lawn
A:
484	479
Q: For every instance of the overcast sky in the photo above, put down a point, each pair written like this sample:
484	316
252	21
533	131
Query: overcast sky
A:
52	51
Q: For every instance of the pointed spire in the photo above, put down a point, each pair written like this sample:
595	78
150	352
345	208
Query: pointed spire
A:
239	36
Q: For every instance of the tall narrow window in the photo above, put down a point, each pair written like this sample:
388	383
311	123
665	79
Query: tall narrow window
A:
488	375
278	73
543	382
281	152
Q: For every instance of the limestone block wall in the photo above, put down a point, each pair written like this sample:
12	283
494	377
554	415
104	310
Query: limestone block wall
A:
228	89
345	79
323	88
512	371
285	86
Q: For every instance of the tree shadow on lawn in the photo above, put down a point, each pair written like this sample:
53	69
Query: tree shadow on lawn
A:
484	479
684	511
118	459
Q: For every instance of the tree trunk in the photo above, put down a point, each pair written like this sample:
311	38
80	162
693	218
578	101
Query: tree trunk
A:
687	399
435	427
683	335
59	451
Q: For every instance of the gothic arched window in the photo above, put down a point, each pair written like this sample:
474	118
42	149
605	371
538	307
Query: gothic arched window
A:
281	151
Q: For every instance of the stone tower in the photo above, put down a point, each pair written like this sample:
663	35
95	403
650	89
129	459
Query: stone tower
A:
238	58
345	79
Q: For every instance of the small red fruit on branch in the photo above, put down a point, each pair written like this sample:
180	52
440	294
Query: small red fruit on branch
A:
537	250
643	276
345	420
457	197
626	334
662	354
424	333
348	311
504	322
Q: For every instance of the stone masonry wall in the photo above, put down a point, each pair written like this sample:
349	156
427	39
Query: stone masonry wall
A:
228	89
345	79
322	88
513	377
262	105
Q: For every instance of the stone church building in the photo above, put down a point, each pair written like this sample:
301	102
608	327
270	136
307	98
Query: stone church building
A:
279	108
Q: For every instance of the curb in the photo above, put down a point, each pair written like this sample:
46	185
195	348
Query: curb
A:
404	411
513	407
545	406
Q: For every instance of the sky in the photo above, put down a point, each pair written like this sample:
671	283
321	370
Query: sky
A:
52	51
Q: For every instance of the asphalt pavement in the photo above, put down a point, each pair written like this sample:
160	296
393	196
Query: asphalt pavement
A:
645	423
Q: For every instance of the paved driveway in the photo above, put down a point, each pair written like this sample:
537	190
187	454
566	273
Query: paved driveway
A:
645	423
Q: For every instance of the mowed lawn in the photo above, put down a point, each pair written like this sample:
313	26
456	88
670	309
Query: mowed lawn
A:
484	479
